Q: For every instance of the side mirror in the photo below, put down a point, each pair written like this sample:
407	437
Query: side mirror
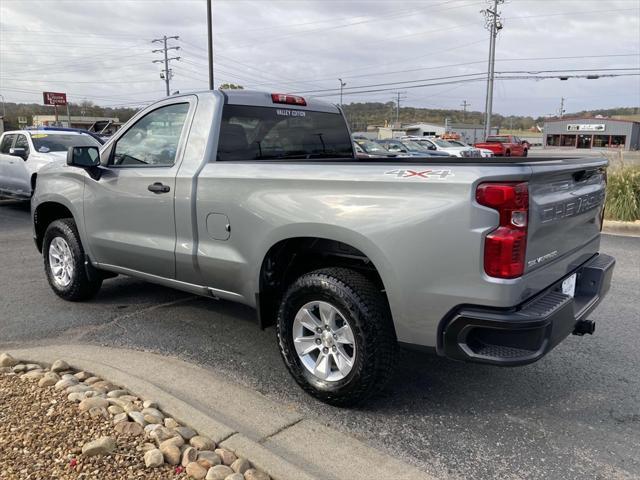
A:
83	157
431	147
18	152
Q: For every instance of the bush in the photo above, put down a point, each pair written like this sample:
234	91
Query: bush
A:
623	194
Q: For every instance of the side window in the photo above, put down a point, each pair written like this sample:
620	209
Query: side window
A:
7	141
22	142
153	140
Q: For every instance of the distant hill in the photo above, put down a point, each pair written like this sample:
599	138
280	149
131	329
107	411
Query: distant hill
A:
375	113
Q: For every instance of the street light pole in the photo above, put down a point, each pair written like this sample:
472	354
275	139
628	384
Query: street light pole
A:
342	85
4	112
210	44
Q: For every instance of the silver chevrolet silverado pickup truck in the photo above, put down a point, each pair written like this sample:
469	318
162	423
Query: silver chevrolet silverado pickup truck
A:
258	198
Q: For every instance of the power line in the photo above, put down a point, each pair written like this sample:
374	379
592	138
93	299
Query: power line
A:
166	73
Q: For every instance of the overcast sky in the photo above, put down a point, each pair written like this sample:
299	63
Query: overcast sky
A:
100	50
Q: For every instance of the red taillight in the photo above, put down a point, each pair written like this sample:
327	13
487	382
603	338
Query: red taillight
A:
505	247
288	99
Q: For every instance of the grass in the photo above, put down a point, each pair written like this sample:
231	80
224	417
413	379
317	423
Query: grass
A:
623	194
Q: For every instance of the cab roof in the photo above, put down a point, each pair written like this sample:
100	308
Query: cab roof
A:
256	98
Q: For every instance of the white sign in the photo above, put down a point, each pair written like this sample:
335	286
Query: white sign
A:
587	127
22	120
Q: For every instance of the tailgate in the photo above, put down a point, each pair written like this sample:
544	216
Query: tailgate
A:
566	206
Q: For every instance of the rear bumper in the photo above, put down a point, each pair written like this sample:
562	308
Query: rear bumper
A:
527	332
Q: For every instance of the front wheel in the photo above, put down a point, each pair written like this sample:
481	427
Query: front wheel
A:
526	152
64	262
336	336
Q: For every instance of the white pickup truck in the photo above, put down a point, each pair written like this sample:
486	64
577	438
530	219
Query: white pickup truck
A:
258	198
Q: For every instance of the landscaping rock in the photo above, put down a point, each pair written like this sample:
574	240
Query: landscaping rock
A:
78	388
65	383
189	455
101	446
33	375
92	380
177	441
153	458
200	442
235	476
82	376
138	418
152	419
197	471
219	472
150	428
171	452
93	402
254	474
129	428
121	417
49	379
114	409
208	459
241	465
7	360
33	366
227	456
60	366
171	423
149	404
75	397
117	393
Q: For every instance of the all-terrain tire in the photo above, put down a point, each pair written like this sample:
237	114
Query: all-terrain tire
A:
365	308
80	287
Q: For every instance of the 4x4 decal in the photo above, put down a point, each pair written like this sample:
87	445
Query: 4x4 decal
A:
439	174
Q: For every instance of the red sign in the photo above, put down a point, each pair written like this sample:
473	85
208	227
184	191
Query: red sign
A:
53	98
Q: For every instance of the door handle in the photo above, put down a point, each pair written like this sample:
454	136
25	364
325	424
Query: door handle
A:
158	188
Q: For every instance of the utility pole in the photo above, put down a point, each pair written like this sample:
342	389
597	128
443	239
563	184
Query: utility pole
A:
210	44
342	85
494	25
166	73
561	111
464	106
397	99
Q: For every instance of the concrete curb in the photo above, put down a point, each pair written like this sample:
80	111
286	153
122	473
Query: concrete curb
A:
273	436
616	227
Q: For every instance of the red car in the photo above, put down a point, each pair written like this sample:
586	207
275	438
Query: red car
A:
505	145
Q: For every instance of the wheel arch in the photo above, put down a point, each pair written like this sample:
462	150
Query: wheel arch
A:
44	214
288	258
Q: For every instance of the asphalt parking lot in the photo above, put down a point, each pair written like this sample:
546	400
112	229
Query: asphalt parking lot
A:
573	415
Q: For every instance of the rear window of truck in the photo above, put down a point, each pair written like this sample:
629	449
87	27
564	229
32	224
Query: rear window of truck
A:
274	133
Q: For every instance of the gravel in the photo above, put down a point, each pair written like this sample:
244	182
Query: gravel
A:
73	426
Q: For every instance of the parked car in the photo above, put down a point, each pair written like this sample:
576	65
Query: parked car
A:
408	148
483	151
97	137
505	145
365	148
256	198
437	144
24	152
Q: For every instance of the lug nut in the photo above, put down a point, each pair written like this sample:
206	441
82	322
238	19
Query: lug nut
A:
327	327
325	350
335	337
318	341
334	348
318	330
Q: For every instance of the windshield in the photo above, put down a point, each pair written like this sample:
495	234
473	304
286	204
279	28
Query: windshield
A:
457	143
442	143
45	143
415	146
264	133
498	140
370	146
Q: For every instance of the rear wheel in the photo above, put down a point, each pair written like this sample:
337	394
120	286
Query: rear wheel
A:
336	336
64	262
507	153
526	152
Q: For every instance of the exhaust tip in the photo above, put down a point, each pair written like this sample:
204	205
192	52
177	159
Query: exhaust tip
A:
583	327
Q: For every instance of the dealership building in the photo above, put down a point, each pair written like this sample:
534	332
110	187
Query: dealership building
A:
592	133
